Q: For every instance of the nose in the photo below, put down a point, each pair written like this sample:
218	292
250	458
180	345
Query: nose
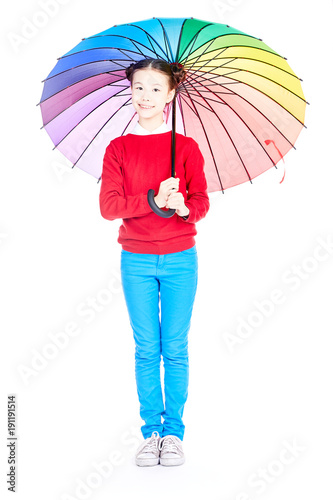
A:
145	96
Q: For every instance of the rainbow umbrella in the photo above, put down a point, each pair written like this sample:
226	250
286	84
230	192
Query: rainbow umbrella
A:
241	102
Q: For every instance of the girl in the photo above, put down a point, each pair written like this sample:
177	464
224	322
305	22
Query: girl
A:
159	263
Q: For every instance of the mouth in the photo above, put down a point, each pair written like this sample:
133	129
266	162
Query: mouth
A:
145	107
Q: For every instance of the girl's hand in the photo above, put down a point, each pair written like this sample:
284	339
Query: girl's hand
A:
176	200
167	187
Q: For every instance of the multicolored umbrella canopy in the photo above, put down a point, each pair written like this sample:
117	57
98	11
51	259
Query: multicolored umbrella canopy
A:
240	101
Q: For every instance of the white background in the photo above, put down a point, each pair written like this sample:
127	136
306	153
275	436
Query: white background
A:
245	404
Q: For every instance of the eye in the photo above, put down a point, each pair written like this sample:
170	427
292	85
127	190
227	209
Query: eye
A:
157	89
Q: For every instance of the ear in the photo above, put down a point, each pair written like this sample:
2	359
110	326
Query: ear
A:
171	95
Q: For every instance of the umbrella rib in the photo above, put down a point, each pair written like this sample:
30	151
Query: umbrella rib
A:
140	28
79	81
198	57
99	132
101	60
252	59
182	113
129	121
179	38
115	61
246	127
217	92
218	76
137	47
194	111
247	84
192	41
111	48
121	134
209	71
235	70
152	46
122	36
199	103
166	41
209	145
83	97
220	36
89	93
101	104
126	55
232	142
265	77
250	103
271	51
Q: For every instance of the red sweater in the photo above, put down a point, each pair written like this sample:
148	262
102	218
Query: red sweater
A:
132	165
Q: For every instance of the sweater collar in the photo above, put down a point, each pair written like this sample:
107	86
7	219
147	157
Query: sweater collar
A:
139	130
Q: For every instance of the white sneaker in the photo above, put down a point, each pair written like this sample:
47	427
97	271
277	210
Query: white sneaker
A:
148	452
171	451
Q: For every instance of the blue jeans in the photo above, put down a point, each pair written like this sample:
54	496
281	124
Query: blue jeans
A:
169	280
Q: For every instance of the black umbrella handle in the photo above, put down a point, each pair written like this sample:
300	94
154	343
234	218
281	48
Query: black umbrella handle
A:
156	209
151	192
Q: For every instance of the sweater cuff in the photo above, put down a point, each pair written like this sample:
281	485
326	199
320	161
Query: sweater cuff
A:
185	217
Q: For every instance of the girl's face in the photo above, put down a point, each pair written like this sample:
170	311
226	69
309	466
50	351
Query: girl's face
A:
150	94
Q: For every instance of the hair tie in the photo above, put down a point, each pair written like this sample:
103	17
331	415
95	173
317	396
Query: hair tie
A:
179	65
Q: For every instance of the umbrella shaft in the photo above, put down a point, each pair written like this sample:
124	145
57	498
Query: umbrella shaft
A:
173	148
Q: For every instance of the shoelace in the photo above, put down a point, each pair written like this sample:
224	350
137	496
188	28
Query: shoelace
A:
152	444
170	444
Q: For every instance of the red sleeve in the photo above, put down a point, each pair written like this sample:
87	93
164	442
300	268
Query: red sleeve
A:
112	201
196	185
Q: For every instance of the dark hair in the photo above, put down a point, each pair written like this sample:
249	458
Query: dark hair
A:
175	71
